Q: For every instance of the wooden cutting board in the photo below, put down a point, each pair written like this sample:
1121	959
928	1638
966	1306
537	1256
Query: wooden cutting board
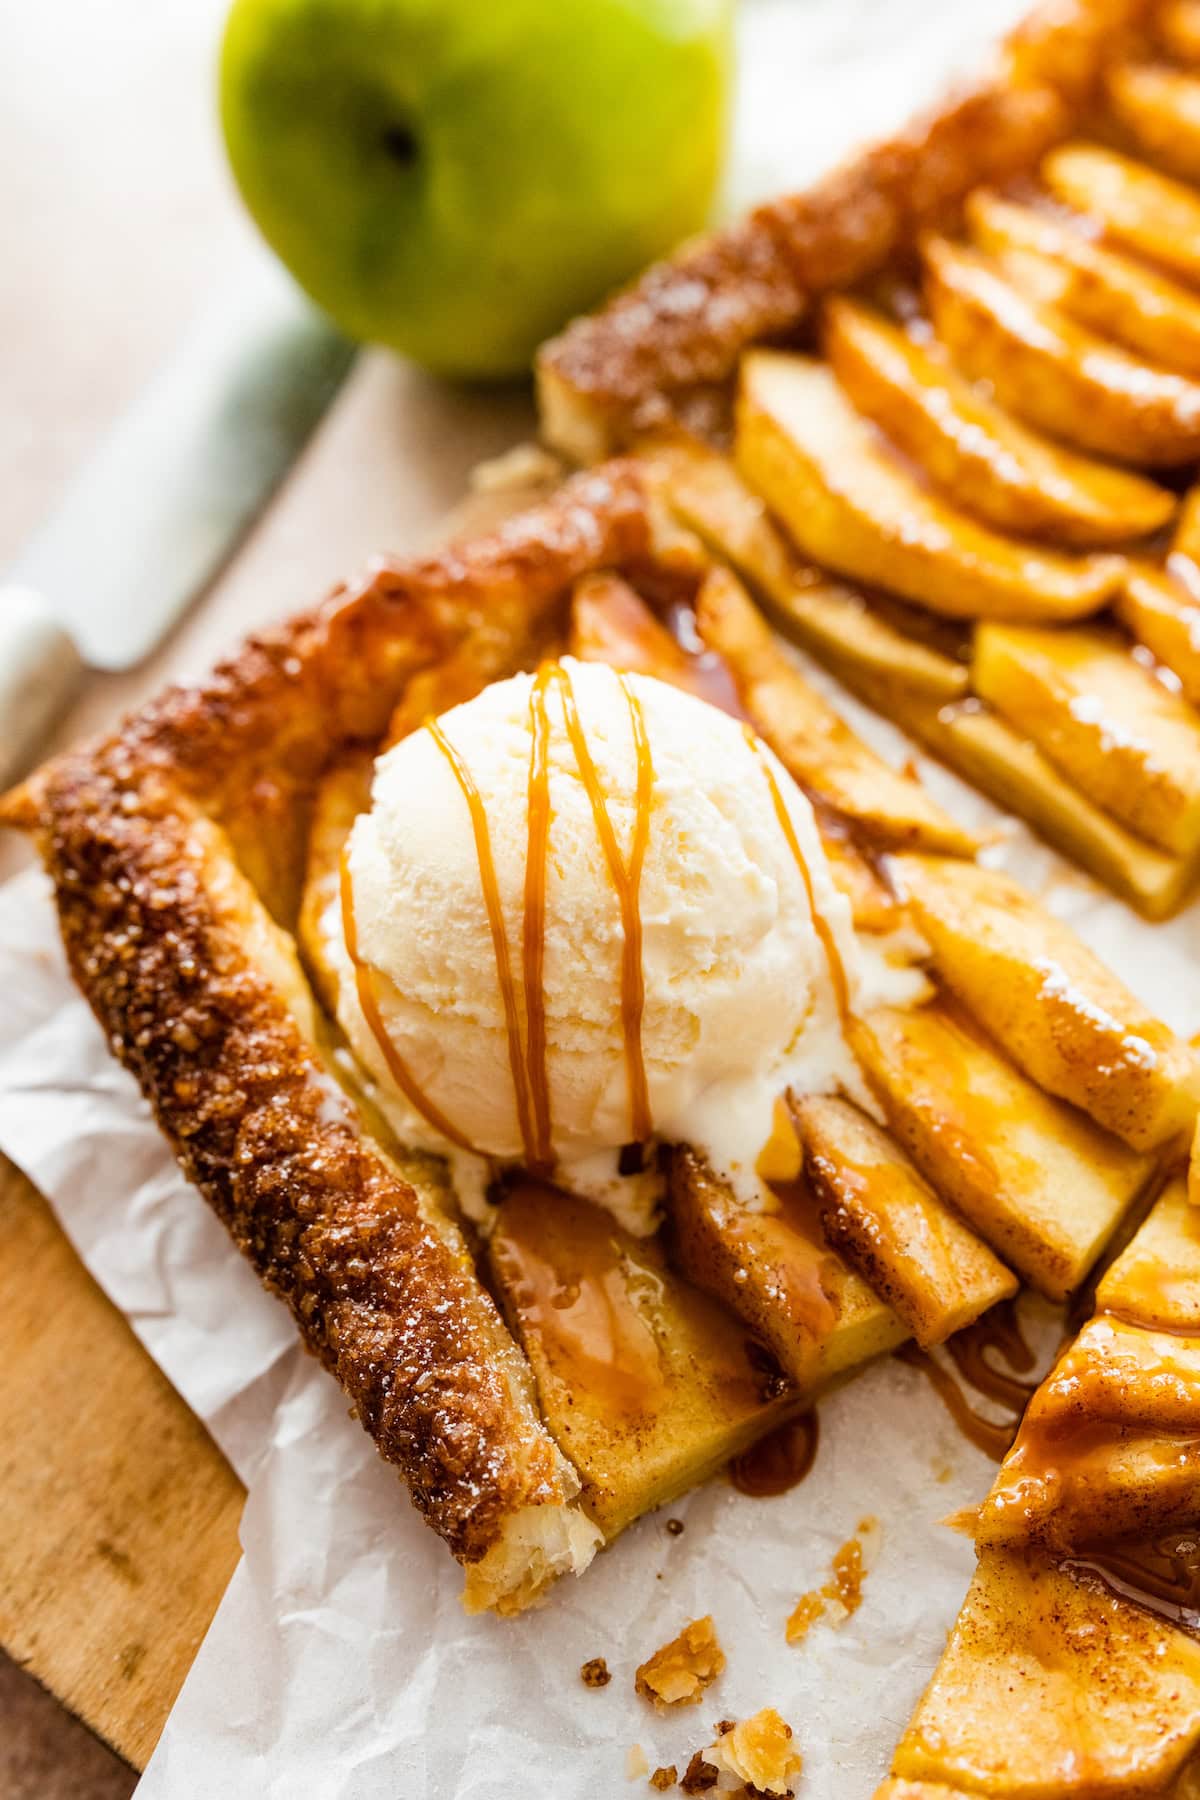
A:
118	1514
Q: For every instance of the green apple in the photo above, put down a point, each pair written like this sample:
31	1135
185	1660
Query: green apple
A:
455	178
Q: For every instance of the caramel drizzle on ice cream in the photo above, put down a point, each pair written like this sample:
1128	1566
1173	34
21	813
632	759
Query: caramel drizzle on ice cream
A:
626	879
527	1053
534	937
837	970
364	977
528	1059
495	913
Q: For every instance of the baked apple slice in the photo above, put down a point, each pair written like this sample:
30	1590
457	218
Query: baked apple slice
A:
705	490
644	1383
1053	373
851	637
1161	614
853	507
1113	294
835	621
1109	1447
978	454
611	623
1149	213
916	1253
1159	108
1127	741
780	1274
1006	765
1184	558
1156	1279
1052	1687
816	746
1178	28
1042	1184
1056	1009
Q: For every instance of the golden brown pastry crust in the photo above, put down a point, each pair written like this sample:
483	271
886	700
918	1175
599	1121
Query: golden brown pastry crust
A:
660	346
164	841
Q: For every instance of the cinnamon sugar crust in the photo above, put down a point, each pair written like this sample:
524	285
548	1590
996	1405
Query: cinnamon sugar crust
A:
661	348
198	996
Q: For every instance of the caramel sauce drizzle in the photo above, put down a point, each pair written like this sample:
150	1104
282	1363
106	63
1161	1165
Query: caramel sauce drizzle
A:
495	913
780	1461
578	1294
993	1438
837	969
998	1330
534	926
625	879
364	978
1162	1574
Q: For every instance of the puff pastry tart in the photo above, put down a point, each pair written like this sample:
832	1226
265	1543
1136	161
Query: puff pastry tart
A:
943	414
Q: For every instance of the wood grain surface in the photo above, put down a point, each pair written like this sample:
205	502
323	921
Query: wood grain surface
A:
118	1514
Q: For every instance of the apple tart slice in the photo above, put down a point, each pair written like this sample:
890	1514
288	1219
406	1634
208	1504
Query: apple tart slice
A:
1052	1686
1110	1445
1085	1577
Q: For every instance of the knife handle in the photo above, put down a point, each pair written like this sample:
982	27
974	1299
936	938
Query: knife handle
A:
40	674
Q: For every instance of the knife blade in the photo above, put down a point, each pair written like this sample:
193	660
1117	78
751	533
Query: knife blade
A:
164	500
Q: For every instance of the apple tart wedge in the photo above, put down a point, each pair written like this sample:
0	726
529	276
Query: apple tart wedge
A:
1087	1576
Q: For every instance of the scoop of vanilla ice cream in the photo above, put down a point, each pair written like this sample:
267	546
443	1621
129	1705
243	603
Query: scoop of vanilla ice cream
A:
740	1001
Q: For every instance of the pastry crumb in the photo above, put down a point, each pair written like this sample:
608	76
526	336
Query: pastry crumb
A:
679	1673
808	1609
761	1751
636	1764
844	1591
594	1673
839	1598
664	1778
699	1775
721	1726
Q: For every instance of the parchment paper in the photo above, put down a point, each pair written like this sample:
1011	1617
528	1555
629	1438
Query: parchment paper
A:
340	1665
